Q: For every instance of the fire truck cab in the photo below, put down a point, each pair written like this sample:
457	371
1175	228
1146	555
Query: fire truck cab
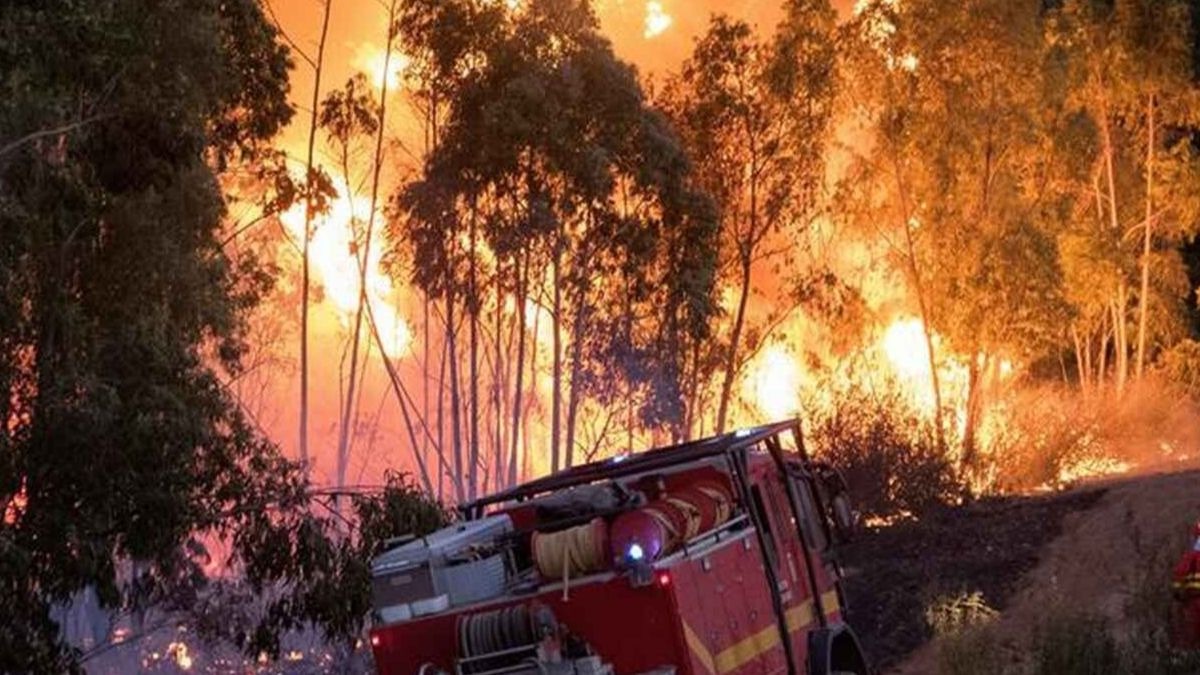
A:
712	557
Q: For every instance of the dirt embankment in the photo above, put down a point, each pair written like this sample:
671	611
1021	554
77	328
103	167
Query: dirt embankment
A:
1083	551
895	572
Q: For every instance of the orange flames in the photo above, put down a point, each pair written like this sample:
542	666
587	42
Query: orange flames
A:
336	258
372	61
774	383
775	380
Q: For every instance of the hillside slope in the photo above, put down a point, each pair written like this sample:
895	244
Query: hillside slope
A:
1126	539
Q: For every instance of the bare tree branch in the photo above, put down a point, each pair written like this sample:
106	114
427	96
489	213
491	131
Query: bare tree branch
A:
287	38
44	133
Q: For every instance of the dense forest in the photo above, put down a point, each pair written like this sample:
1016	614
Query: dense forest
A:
958	239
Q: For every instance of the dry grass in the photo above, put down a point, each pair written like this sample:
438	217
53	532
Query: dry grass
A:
1049	437
961	624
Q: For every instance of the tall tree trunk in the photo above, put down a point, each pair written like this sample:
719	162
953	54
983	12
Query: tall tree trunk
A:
499	386
1144	300
1102	353
914	270
1081	366
403	399
443	366
746	259
735	339
975	391
473	309
574	382
425	372
1088	373
534	344
308	219
1120	336
518	391
556	385
348	419
694	418
935	380
455	394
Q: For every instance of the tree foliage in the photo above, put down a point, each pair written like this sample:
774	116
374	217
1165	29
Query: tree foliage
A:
119	311
756	113
554	182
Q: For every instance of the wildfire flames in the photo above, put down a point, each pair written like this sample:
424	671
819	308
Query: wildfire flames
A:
373	62
774	383
336	258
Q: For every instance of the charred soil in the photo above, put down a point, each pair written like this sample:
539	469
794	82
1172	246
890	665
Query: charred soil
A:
988	546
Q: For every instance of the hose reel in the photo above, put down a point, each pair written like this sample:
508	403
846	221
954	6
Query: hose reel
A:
502	638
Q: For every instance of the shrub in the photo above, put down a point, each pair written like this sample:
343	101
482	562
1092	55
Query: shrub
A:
889	456
966	643
1180	365
1048	437
1039	437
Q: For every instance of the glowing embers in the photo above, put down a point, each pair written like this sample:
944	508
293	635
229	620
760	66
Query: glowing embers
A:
179	652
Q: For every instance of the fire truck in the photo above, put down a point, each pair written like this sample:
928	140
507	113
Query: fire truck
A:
711	557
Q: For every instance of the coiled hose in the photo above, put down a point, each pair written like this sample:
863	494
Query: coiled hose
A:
572	552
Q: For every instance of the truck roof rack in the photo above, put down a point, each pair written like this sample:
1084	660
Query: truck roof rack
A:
628	465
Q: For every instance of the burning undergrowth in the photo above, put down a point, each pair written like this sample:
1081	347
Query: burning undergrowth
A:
1031	438
1048	438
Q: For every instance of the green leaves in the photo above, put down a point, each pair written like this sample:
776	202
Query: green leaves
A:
121	310
315	573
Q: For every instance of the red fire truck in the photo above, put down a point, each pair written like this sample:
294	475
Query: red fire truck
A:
712	557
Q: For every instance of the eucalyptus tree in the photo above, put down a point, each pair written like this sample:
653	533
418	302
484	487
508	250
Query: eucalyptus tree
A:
756	113
549	160
957	168
1131	75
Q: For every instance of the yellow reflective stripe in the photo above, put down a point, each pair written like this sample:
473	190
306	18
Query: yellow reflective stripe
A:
747	650
798	617
701	652
831	602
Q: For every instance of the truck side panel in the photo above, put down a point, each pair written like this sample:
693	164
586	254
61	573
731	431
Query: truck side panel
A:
632	628
725	608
